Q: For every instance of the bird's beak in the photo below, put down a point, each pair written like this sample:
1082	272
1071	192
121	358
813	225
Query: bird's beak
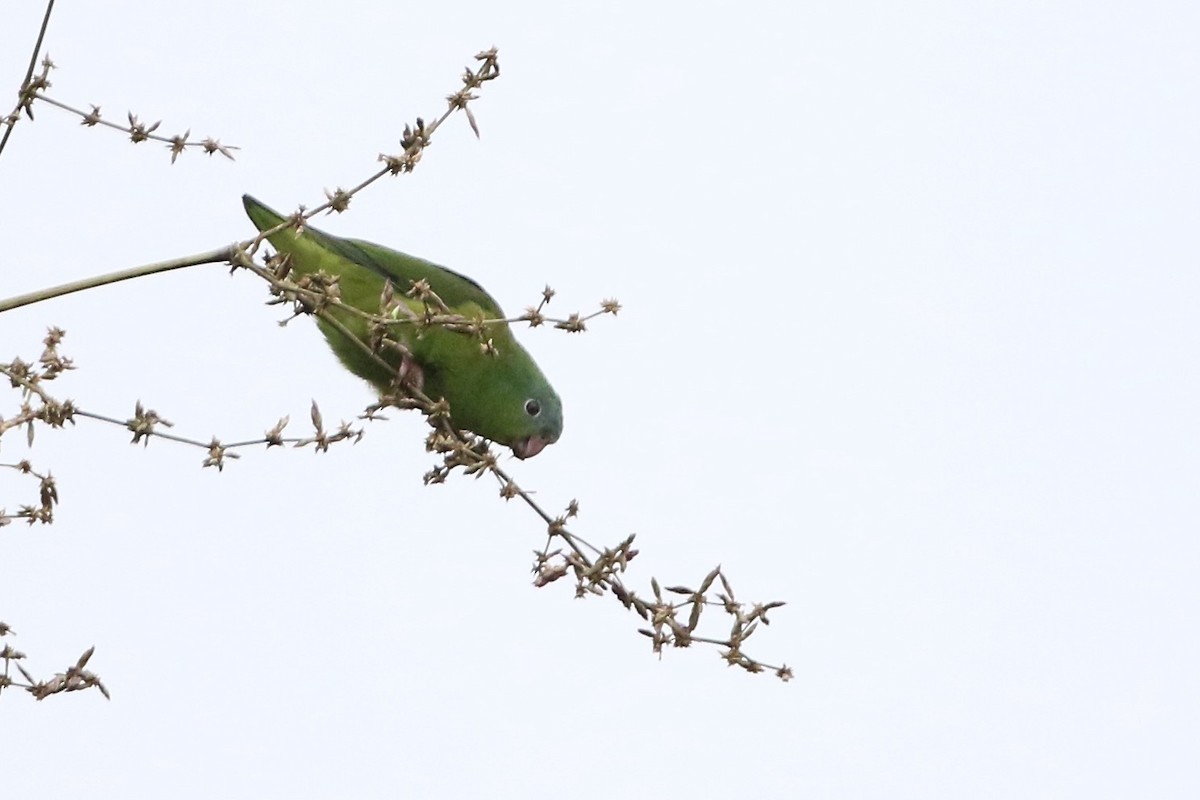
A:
528	447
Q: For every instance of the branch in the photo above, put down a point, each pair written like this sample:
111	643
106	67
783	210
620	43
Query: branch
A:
22	99
211	257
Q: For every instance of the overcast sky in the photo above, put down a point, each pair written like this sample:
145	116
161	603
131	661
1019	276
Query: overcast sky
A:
909	340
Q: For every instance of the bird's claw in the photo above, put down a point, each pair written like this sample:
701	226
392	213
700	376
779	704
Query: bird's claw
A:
411	374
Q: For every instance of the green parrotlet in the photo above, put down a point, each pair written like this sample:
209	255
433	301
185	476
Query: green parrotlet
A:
501	395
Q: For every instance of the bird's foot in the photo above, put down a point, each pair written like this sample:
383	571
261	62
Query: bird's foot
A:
411	374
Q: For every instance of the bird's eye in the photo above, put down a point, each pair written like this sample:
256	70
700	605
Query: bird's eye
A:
532	407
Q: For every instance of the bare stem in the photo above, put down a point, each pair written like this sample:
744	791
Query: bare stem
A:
221	256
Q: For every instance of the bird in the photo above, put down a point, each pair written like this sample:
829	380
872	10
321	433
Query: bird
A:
493	386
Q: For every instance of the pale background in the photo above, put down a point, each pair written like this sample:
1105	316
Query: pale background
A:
909	340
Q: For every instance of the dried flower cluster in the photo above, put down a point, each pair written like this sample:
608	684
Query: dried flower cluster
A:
37	406
74	678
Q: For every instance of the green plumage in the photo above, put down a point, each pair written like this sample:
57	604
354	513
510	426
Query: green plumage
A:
503	397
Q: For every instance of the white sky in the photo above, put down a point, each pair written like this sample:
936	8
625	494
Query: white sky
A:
910	341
